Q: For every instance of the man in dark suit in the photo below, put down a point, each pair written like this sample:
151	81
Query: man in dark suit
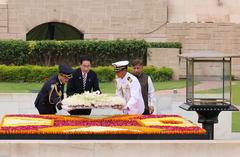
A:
83	80
51	94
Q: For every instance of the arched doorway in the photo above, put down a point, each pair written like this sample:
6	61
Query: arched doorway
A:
54	31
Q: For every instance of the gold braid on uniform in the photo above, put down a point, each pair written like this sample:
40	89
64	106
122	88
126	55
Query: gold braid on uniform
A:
54	87
129	79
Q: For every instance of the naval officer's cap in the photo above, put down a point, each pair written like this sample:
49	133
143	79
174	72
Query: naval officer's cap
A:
120	65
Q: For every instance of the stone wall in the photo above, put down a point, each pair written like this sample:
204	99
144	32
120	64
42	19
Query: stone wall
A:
198	25
155	58
207	36
223	37
3	20
204	11
102	19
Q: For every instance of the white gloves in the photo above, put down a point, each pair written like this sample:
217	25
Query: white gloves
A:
97	92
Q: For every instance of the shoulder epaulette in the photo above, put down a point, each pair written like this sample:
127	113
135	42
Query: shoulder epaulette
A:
129	79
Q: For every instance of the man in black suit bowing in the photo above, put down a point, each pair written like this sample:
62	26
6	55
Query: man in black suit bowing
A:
83	79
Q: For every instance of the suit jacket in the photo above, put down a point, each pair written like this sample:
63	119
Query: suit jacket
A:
50	94
75	84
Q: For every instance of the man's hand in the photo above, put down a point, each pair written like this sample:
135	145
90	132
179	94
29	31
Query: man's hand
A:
119	107
125	110
151	109
59	106
66	108
97	92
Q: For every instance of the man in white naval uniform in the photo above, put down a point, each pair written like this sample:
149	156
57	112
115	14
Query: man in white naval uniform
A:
129	88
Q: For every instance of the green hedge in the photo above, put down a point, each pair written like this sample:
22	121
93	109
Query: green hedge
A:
30	73
14	52
49	53
165	45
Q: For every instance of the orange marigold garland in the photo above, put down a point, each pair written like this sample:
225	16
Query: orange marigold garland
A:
119	124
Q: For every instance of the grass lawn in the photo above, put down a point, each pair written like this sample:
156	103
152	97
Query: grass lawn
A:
9	87
169	85
108	87
235	92
235	100
236	121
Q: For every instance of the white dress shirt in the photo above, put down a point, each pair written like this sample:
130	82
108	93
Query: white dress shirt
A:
151	96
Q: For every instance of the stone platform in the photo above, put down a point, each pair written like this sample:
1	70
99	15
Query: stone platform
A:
100	148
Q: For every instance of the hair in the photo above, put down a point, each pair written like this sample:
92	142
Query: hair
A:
85	58
137	62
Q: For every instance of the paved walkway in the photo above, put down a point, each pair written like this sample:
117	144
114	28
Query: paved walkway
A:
206	85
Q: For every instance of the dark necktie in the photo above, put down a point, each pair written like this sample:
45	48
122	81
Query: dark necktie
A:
84	80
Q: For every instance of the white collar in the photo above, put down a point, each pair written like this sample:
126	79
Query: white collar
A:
84	73
126	75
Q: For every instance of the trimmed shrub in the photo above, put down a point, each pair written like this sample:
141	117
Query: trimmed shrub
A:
31	73
51	52
14	52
